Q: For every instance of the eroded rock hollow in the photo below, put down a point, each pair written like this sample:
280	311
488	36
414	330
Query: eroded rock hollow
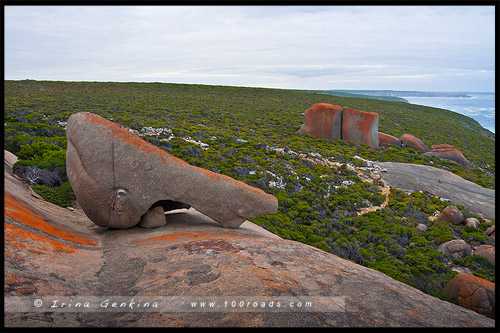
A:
120	180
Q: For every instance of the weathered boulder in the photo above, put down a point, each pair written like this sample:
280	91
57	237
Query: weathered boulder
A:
472	292
448	152
323	120
408	140
154	217
455	249
117	177
192	257
360	127
451	214
472	223
490	232
387	140
487	252
421	227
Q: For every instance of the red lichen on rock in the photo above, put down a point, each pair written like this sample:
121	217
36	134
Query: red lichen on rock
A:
448	152
24	215
323	120
472	292
360	127
386	140
19	238
189	236
413	142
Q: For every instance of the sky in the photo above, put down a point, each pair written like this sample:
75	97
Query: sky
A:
322	47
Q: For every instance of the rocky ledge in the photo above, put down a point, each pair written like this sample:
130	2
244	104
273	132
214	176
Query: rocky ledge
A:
194	256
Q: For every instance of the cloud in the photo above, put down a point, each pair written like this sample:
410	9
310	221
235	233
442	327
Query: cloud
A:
406	48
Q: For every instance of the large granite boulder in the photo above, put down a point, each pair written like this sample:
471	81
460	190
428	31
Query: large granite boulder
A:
323	120
408	140
452	214
487	252
117	177
360	127
194	258
472	292
387	140
455	249
448	152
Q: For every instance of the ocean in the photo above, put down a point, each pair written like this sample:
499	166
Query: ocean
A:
478	106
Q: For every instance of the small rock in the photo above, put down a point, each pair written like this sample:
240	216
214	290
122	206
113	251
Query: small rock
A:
490	232
472	223
461	269
452	214
487	252
421	227
455	249
154	218
70	209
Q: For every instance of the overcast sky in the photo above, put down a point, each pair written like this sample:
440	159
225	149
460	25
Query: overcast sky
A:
400	48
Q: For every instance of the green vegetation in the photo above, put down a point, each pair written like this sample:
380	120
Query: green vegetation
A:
317	204
60	195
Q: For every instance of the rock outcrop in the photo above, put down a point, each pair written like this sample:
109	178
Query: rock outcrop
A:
487	252
455	249
452	214
448	152
472	292
388	140
117	177
333	122
409	140
443	183
360	127
323	120
192	256
472	223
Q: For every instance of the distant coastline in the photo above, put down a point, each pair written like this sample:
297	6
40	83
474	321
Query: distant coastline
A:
479	106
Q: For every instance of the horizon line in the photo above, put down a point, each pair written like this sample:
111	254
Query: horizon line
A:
259	87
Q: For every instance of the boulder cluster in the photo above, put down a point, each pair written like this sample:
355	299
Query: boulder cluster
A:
121	181
466	289
334	122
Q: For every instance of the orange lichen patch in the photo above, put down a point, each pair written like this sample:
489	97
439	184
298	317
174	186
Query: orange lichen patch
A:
443	146
387	139
360	127
190	236
20	238
23	214
320	120
414	142
124	135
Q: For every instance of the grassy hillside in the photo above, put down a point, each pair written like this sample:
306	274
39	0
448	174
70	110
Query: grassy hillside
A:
242	127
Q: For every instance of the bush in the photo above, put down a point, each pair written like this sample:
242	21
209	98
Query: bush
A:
61	195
